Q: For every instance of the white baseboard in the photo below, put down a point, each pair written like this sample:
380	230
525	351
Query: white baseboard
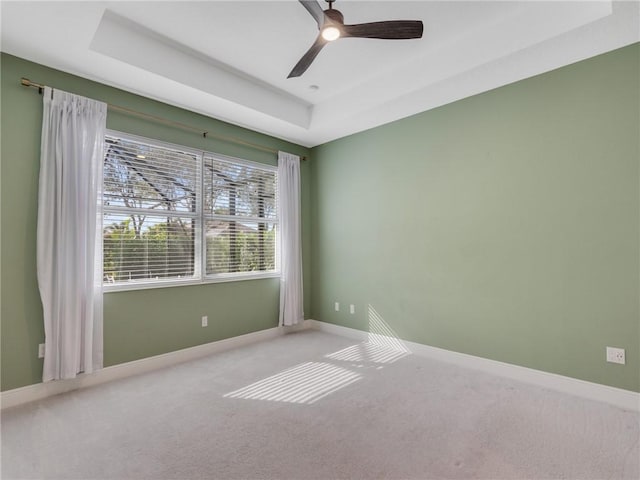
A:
615	396
18	396
603	393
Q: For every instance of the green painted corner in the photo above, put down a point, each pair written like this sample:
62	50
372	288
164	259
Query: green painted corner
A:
505	225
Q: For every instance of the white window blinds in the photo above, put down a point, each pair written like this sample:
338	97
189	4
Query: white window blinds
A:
241	216
172	214
150	212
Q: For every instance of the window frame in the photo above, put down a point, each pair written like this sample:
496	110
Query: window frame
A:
200	276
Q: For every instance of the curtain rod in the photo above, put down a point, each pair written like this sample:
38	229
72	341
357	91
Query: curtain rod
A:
28	83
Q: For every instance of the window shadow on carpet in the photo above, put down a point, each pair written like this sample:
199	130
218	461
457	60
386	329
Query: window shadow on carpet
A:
309	382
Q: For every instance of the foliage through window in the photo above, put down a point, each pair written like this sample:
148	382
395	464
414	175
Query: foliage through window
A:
172	214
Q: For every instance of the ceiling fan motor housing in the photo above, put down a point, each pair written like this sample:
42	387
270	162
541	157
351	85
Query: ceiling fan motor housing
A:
335	15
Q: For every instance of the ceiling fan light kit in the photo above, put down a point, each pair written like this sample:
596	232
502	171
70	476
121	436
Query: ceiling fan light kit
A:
331	27
330	33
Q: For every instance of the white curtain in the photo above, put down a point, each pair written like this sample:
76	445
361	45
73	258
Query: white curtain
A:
291	302
69	226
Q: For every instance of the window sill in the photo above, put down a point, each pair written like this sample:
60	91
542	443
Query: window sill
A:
223	278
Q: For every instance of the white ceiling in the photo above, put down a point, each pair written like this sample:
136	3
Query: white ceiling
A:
230	60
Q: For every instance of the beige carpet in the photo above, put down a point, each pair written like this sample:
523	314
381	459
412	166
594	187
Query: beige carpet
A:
313	405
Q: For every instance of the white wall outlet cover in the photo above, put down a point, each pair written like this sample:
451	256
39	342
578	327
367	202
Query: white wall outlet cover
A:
615	355
41	350
205	321
352	309
337	306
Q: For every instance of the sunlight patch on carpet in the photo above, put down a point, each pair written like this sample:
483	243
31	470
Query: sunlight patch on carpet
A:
305	383
368	352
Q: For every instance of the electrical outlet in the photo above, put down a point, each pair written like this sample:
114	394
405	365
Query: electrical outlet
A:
41	350
615	355
352	309
205	321
337	306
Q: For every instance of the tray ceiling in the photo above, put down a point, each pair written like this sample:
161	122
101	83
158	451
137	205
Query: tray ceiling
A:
230	60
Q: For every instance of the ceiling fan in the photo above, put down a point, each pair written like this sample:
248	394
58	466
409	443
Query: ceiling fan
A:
331	25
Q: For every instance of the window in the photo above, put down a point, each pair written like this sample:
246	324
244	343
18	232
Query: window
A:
177	215
240	217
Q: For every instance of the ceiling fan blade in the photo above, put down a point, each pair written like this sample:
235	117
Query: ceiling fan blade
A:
308	57
389	30
314	8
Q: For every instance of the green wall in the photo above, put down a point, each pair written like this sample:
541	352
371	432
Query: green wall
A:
137	323
504	225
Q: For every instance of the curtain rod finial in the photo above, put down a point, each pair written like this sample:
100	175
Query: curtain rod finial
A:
25	82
